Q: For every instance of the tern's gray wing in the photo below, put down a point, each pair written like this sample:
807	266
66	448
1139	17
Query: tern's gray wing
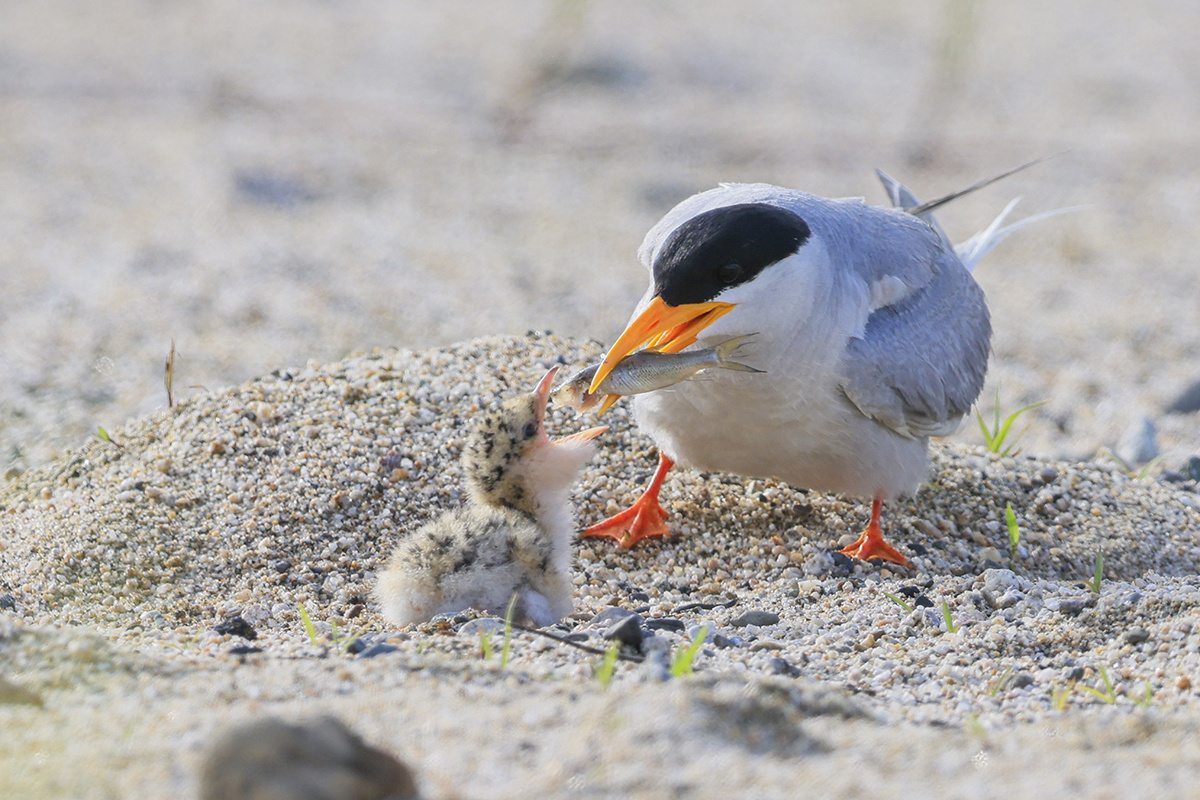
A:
920	362
903	198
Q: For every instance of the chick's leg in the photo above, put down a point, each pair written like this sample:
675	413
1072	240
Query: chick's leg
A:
871	544
645	519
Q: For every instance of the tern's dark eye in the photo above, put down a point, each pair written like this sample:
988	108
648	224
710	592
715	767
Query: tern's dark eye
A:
530	430
729	274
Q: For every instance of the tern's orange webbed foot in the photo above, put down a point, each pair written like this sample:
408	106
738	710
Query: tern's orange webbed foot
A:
871	544
645	519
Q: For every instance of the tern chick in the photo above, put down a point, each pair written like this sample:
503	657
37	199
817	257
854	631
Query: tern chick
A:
513	535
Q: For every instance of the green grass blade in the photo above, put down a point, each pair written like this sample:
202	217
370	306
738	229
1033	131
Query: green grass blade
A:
1014	530
682	664
508	629
308	625
608	666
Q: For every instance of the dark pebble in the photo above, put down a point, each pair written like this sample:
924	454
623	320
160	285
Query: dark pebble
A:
754	617
923	601
578	636
1191	469
627	631
639	597
1021	680
7	602
1187	402
281	566
359	644
780	666
318	759
842	563
1047	475
721	641
1073	674
1171	476
236	626
1073	605
378	649
1136	635
244	650
665	624
611	614
909	591
707	606
918	549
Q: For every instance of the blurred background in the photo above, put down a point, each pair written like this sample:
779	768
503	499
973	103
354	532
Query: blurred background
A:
271	182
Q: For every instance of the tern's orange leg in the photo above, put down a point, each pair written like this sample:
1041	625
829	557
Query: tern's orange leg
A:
871	544
645	519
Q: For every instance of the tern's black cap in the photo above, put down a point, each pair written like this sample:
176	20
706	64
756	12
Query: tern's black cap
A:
724	247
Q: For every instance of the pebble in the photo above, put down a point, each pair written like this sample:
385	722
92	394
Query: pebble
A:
626	630
1136	635
754	617
307	761
149	573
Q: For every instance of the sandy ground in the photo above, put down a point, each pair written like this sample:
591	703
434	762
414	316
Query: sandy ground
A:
275	183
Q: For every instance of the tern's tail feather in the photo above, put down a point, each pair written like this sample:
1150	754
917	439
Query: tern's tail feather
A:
726	349
903	198
972	250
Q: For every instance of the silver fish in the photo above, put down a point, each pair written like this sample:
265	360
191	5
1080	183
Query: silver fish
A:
647	371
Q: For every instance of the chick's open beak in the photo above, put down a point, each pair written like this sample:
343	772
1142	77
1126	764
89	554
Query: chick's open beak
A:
542	395
669	329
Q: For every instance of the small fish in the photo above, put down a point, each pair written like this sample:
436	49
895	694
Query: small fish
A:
646	371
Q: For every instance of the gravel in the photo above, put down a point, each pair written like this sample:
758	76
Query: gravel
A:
127	564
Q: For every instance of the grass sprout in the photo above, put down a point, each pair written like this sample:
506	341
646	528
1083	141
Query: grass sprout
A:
1098	574
485	644
1002	682
607	667
1109	695
506	648
1145	701
1131	470
169	376
682	663
997	434
900	602
1059	696
1014	530
103	436
308	625
950	626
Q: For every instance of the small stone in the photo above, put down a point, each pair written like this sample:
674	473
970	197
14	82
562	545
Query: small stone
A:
999	581
1021	680
319	759
1139	443
754	617
665	624
1190	471
12	694
627	631
1187	402
236	626
1047	475
1073	605
1073	674
378	649
475	628
7	602
244	650
610	615
1183	683
1136	635
780	666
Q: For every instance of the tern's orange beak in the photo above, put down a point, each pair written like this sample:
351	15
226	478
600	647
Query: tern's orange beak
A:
542	395
668	328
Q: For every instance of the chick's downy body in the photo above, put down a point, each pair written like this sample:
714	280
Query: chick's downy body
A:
513	535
